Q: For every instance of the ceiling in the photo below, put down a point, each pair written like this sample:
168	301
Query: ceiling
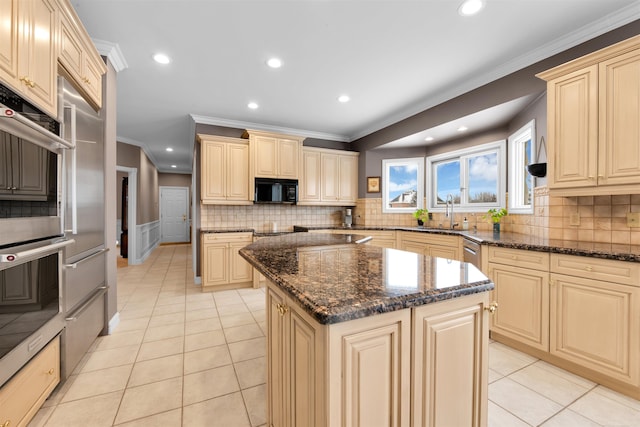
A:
394	58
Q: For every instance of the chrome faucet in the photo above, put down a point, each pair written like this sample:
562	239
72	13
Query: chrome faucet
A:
448	213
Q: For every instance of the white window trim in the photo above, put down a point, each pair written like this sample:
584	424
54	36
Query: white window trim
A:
499	146
515	162
419	162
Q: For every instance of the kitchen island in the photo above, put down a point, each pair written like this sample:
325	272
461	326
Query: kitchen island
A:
367	336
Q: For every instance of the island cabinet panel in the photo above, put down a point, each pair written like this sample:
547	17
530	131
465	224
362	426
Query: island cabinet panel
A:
295	364
450	363
369	362
592	106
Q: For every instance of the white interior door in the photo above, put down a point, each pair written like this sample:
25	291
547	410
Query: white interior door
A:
174	214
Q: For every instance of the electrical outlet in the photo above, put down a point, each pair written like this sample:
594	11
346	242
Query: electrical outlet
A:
574	219
633	219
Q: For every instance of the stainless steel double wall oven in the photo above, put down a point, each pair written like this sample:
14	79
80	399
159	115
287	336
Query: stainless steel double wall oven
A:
52	251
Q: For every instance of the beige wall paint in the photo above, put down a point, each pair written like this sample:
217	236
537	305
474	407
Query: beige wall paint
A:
174	180
147	203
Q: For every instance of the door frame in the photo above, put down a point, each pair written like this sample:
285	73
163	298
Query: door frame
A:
187	208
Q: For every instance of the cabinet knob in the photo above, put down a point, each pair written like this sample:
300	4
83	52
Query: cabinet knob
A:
588	268
50	371
7	423
282	309
492	307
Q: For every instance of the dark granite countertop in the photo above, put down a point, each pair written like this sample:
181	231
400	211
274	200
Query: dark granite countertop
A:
616	251
336	280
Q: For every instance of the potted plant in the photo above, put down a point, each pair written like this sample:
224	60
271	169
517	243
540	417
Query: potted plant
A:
421	215
495	214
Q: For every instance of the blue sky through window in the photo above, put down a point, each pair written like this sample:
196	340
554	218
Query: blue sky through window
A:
402	178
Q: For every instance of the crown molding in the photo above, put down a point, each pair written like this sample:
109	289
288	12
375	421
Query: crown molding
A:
590	31
217	121
113	52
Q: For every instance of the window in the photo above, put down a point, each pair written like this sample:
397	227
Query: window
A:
475	178
521	149
402	184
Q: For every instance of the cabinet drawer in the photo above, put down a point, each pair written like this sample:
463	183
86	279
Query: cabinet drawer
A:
627	273
23	395
227	237
519	258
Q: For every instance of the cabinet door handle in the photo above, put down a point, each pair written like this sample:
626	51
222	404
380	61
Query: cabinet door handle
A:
50	371
7	423
282	309
492	307
588	268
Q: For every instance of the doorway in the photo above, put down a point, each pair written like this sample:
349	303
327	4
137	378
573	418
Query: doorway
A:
174	214
132	175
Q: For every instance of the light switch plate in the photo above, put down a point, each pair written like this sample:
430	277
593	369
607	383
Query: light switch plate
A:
633	219
574	219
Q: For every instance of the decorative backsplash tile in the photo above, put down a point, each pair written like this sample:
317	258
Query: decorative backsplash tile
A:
599	218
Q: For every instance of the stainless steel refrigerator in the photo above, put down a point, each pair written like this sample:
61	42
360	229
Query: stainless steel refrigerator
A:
84	272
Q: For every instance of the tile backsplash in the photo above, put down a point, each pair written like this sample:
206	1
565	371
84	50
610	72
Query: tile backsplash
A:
262	218
597	218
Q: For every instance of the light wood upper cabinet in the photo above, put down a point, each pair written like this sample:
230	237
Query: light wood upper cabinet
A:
329	177
274	155
28	50
78	55
593	126
224	170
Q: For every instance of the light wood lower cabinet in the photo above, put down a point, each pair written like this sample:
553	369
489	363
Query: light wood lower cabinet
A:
24	394
596	323
360	372
222	266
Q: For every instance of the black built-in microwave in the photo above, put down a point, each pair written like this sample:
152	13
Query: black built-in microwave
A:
268	190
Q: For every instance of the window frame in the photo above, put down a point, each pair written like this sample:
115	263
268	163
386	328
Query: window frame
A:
499	147
386	165
517	173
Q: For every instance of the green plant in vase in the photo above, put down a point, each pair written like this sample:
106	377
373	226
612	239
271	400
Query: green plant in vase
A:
421	215
495	215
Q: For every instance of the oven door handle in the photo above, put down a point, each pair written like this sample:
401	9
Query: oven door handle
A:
93	255
38	252
11	114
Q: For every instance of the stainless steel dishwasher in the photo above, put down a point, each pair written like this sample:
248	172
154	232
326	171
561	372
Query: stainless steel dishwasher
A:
471	252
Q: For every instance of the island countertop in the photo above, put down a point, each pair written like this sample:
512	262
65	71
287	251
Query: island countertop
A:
335	279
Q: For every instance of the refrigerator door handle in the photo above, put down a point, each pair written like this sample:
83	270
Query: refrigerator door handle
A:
74	169
93	255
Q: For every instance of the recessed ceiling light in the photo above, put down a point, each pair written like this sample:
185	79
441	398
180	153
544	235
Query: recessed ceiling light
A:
173	166
344	98
252	105
169	149
161	58
470	7
462	128
274	63
429	138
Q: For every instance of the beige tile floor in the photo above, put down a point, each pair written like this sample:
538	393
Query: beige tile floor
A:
180	357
